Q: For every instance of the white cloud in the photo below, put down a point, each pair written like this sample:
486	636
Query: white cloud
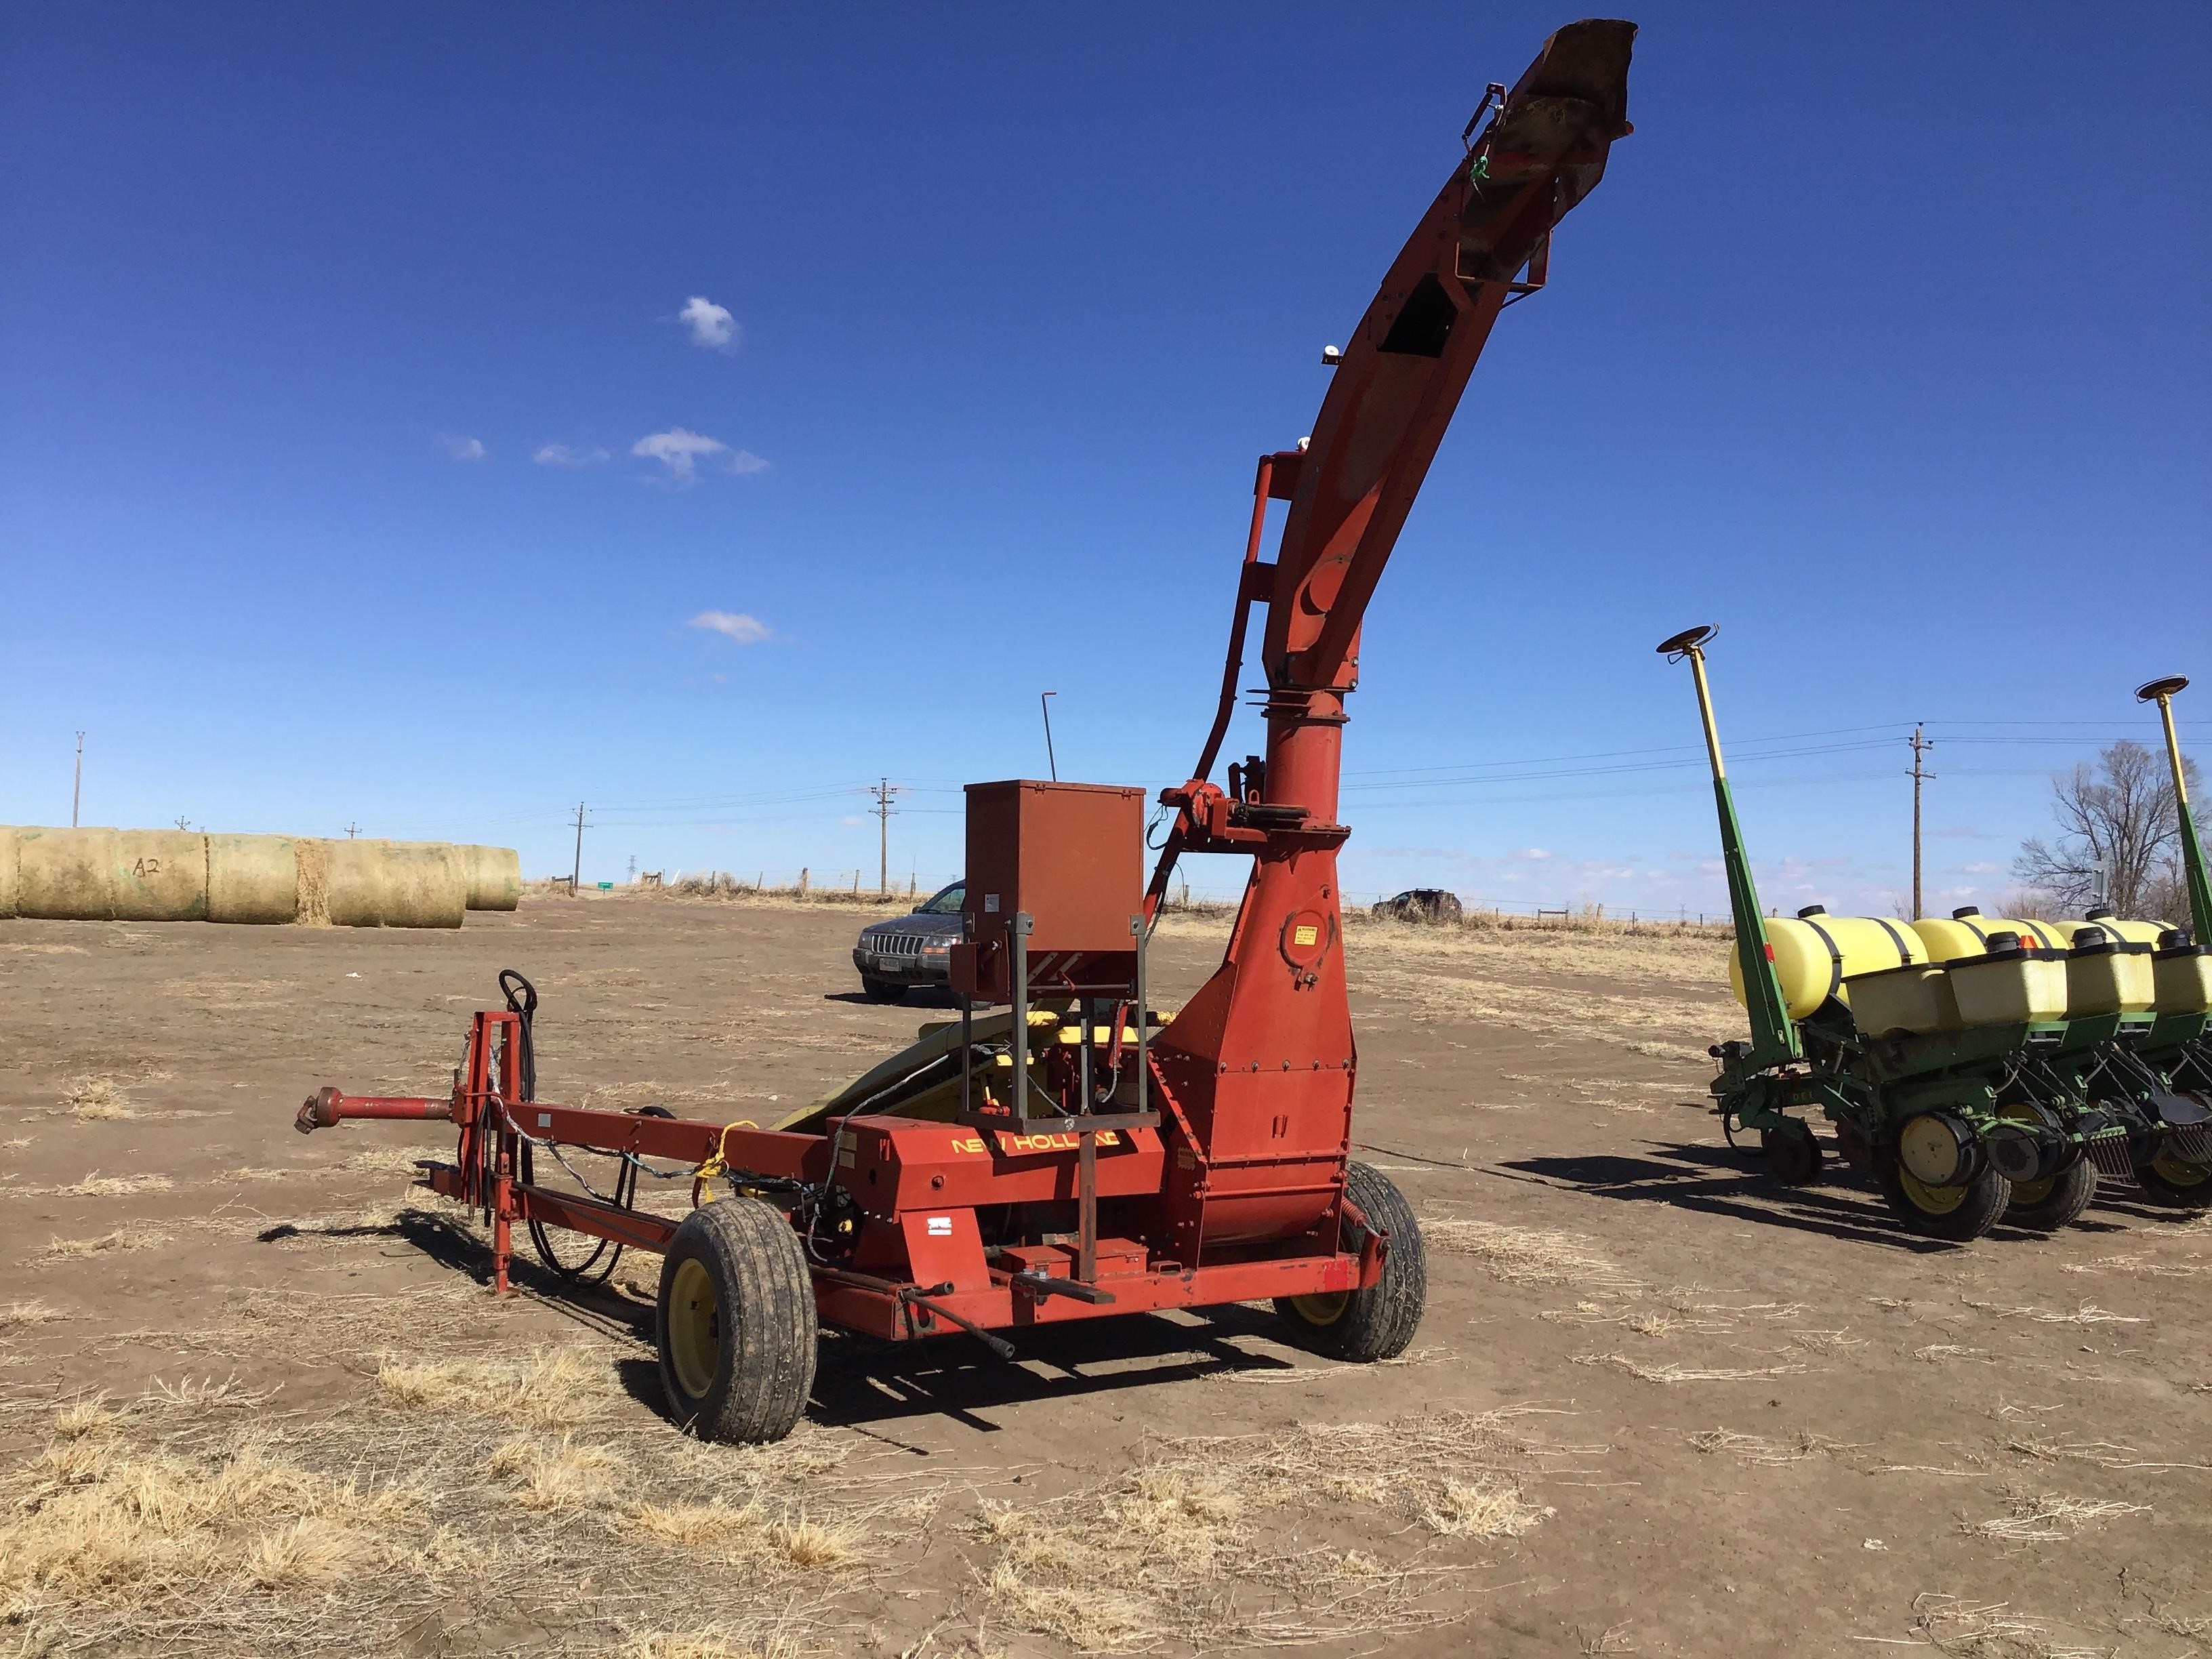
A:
745	630
569	455
712	326
461	448
681	451
853	822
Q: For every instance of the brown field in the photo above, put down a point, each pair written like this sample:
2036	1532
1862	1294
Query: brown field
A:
254	1399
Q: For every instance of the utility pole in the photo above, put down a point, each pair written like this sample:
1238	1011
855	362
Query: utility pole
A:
76	792
181	824
1920	745
883	811
576	877
353	829
633	869
1049	759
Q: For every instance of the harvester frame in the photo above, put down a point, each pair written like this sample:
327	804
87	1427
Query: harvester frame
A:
1215	1166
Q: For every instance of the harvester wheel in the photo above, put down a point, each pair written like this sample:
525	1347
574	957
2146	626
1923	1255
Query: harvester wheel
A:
2045	1206
1379	1321
737	1329
2174	1181
1793	1155
1958	1213
881	990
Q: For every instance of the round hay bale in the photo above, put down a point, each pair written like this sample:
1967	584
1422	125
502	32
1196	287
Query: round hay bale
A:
252	879
160	875
350	891
7	870
65	875
314	888
495	877
385	884
425	885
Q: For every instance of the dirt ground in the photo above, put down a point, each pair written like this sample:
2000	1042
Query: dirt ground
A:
254	1398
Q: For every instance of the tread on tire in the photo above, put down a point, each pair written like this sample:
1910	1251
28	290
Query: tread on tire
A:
736	1327
1379	1321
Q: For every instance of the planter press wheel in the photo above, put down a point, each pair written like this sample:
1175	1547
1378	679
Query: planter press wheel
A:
2045	1206
2056	1200
1957	1213
735	1323
2171	1180
1793	1155
1379	1321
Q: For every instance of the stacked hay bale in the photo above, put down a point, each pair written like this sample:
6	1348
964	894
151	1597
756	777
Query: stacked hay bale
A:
169	875
253	878
495	877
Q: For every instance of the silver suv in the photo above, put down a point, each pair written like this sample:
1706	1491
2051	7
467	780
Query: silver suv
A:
895	956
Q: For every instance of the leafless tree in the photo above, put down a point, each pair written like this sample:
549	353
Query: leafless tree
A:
2119	837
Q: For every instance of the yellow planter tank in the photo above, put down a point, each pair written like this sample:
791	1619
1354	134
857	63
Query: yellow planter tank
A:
1903	1001
2181	977
2108	975
1967	934
2010	984
1815	954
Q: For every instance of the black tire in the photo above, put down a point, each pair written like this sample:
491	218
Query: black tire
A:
736	1326
2175	1183
2044	1206
881	990
1973	1209
1379	1321
1793	1155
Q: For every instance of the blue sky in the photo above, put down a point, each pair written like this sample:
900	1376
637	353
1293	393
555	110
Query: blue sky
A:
353	431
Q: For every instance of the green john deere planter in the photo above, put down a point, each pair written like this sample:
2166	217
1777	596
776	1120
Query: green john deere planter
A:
1968	1088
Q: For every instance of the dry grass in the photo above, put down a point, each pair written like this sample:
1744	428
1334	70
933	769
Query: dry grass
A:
135	1236
1525	1255
197	1517
16	1315
94	1095
104	1516
2087	1314
2191	1268
2048	1518
1645	1373
554	1475
1965	1630
96	1185
1186	1547
1762	1449
551	1387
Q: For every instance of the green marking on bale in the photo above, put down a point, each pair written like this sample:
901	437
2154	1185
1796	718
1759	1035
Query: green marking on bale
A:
160	875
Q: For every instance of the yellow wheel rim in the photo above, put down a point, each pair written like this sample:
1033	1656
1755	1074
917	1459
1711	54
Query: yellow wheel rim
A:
2180	1172
1323	1308
695	1328
1930	1201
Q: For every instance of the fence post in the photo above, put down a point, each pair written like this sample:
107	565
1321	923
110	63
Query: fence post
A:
802	881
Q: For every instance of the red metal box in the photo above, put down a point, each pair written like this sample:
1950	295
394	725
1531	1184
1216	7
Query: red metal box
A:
1071	854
